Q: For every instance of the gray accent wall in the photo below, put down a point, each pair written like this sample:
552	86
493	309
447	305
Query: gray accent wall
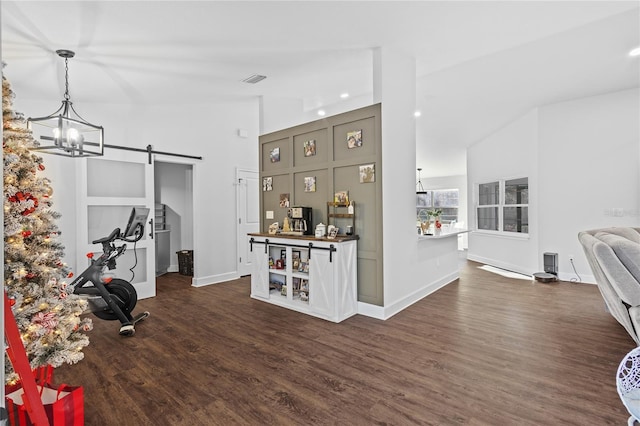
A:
336	167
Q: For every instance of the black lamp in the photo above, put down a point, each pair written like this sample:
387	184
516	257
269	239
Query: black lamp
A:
64	132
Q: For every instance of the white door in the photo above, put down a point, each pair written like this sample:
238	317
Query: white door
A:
247	194
108	188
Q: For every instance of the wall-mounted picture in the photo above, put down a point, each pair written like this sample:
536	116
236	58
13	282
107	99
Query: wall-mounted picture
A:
284	200
275	155
341	197
310	184
368	173
267	183
310	148
354	139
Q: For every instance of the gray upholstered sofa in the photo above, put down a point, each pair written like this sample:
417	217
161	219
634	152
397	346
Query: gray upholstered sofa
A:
614	257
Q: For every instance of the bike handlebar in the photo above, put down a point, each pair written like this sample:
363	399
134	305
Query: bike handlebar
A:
115	235
112	237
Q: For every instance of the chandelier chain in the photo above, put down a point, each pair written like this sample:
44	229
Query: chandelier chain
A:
66	79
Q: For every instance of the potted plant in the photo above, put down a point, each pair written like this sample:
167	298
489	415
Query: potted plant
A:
434	214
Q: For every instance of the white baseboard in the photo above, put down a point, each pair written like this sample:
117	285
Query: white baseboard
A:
214	279
498	264
386	312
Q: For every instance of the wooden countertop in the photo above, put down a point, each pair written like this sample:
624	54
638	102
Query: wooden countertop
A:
338	239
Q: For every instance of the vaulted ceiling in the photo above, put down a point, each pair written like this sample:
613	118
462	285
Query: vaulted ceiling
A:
480	64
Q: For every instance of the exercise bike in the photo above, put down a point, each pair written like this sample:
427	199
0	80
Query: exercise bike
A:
113	298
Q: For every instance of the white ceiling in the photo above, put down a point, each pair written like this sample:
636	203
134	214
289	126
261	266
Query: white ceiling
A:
480	64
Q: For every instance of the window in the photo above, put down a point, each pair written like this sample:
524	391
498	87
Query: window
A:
443	199
504	206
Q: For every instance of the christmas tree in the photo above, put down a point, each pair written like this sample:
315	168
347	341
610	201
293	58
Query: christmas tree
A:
35	278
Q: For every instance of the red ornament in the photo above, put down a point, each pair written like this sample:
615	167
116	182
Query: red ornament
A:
41	166
21	196
90	255
70	275
26	233
12	302
30	275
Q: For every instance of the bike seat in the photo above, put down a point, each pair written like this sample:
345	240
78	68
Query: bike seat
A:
111	237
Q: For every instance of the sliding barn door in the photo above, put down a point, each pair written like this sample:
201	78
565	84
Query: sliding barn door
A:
108	188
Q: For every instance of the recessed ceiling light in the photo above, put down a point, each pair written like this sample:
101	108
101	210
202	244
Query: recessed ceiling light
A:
635	52
344	95
417	114
321	112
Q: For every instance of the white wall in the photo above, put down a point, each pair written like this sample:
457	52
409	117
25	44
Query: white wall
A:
509	153
281	113
582	160
207	130
589	152
210	131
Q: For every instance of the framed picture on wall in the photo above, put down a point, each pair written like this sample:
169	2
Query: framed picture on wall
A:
354	139
267	183
274	155
368	173
310	148
341	197
284	200
310	184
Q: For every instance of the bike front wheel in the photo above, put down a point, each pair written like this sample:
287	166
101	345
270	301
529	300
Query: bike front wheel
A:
125	296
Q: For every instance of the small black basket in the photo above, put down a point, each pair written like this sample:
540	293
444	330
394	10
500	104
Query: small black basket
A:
185	262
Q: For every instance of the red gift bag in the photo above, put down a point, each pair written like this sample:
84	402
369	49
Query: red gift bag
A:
63	404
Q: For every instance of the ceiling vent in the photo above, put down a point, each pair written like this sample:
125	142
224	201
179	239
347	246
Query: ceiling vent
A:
254	78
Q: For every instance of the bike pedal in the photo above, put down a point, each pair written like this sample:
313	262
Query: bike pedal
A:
127	330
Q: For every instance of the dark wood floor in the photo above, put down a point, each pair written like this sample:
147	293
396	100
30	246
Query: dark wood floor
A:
484	350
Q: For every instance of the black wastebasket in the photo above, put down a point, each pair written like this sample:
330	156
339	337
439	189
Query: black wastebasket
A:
185	262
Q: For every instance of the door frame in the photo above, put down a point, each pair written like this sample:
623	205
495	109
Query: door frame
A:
167	159
243	268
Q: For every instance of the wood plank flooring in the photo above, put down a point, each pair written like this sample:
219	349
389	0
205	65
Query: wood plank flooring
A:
484	350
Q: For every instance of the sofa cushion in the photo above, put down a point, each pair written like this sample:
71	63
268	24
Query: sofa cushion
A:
629	233
628	251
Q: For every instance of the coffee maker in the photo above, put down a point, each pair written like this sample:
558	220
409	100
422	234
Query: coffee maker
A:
300	218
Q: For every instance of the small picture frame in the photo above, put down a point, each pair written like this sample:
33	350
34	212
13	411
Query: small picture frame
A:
302	266
354	139
310	148
295	254
310	184
341	197
267	183
279	264
274	155
284	200
333	233
305	269
368	173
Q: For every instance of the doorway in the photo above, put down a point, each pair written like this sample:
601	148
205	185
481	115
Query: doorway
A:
173	217
248	198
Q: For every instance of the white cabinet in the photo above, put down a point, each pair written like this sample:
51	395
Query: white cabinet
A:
315	276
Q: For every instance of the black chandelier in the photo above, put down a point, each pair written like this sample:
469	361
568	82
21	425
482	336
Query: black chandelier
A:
64	132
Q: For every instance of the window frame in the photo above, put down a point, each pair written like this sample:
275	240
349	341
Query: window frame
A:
431	194
501	206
